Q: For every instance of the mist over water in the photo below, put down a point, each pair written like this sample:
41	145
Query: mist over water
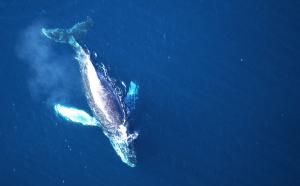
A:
53	76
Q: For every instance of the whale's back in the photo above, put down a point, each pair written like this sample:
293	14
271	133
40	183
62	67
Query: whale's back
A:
102	97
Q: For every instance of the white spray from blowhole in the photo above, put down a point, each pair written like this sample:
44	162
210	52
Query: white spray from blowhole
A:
52	77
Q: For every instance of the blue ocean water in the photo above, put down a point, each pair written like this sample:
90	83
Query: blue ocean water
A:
219	93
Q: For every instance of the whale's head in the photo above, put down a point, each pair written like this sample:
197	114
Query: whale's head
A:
122	143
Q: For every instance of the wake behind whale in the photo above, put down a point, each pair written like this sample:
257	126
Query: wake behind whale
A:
110	110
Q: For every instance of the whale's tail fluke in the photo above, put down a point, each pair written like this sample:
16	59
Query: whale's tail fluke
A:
68	35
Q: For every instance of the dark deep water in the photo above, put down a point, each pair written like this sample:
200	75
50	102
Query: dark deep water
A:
219	99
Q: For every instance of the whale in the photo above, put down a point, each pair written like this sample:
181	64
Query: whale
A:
110	109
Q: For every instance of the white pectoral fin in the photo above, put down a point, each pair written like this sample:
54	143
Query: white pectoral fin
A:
132	96
75	115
